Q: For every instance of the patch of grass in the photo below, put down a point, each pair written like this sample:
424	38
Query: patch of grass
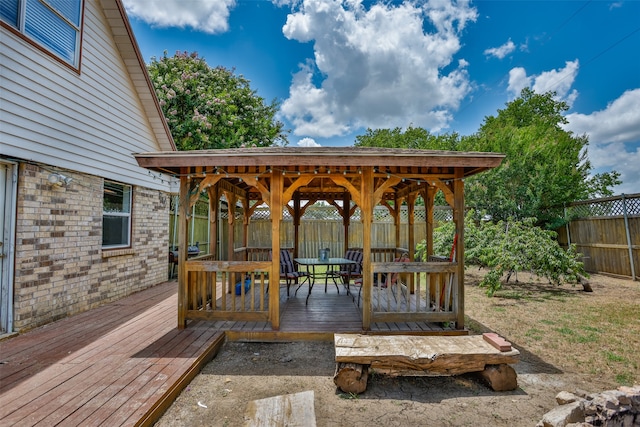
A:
472	325
535	334
593	333
584	339
513	295
612	357
565	331
349	396
624	379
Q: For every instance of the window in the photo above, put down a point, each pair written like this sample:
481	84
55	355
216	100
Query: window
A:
116	215
52	24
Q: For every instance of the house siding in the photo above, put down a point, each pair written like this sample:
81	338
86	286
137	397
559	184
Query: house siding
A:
88	122
61	268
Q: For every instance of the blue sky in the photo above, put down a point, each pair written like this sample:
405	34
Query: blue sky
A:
339	67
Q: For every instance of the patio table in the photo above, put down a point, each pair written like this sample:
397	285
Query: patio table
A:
312	263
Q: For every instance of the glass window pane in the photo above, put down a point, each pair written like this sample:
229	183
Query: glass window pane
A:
115	231
9	12
47	28
117	198
70	9
116	217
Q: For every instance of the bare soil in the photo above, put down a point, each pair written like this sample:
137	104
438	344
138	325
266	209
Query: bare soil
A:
568	339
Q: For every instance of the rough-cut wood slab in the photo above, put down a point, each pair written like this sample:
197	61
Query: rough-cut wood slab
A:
497	341
500	377
281	411
434	355
351	377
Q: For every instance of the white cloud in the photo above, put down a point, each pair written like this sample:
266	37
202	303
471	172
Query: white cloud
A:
209	16
611	131
559	80
308	142
376	67
518	80
501	51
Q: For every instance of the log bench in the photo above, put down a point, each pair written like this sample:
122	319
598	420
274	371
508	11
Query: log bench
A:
488	354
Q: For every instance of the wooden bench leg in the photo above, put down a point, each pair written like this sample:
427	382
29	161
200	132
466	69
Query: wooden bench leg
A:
351	377
500	377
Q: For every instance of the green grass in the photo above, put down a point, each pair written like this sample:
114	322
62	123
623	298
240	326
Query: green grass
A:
624	379
535	334
612	357
565	331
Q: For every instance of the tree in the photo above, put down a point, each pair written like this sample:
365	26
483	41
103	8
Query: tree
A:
508	247
419	138
211	107
545	165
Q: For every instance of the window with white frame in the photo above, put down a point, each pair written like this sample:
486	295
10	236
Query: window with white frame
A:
116	215
52	24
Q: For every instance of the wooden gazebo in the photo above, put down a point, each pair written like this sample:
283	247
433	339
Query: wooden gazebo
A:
294	178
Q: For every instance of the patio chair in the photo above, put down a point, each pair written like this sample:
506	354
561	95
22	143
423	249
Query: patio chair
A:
351	271
288	270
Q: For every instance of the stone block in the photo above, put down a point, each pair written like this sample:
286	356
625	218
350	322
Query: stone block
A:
563	415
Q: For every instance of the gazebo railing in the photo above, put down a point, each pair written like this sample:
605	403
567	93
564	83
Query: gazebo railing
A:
226	290
417	291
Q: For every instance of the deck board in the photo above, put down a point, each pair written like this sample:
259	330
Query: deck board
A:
107	366
124	363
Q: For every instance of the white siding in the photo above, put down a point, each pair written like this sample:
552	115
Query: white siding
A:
90	122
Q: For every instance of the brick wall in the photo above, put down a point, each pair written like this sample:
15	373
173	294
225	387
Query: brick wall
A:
61	268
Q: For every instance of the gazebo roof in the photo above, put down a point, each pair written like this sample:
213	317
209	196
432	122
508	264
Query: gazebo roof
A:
173	162
410	167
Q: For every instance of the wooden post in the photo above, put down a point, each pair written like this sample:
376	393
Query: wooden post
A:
458	217
629	241
296	223
182	251
276	219
429	195
346	219
396	221
366	209
246	216
214	212
411	202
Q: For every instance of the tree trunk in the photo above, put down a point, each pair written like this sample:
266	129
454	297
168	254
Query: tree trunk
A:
351	377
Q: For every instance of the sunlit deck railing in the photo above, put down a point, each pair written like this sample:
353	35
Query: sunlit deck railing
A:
414	291
213	293
401	291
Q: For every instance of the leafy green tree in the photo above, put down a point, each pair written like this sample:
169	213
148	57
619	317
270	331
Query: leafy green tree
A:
508	247
209	108
545	165
410	138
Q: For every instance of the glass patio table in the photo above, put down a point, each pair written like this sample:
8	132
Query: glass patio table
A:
311	264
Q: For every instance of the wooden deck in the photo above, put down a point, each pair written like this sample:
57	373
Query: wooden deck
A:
124	363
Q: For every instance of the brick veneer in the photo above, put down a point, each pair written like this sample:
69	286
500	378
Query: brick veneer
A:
61	268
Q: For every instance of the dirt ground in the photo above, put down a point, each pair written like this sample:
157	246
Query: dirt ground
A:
552	360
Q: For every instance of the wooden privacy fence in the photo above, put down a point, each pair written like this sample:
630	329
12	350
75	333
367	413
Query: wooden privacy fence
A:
607	233
321	227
